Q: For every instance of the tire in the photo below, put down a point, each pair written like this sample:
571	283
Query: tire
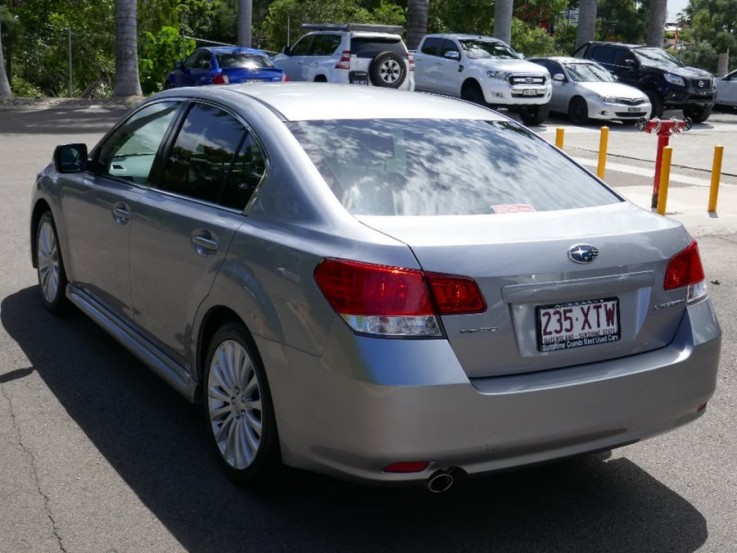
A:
52	278
472	93
387	69
534	115
238	407
697	114
657	104
578	111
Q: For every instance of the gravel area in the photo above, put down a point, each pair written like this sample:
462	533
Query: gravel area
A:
50	103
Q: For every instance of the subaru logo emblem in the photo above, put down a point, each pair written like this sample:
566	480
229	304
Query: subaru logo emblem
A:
582	253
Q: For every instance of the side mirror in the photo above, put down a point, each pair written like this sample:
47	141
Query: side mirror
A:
629	62
287	51
70	158
560	77
452	55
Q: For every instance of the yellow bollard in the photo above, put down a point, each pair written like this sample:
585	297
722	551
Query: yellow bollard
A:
559	134
603	141
716	171
664	179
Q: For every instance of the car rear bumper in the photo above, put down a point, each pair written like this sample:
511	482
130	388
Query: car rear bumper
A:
352	415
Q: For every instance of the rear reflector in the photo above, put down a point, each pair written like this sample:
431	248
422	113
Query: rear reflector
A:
394	301
685	269
407	466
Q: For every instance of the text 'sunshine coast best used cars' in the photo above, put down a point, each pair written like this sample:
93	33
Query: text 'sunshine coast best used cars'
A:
376	284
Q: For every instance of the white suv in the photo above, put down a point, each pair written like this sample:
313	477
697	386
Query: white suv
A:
350	53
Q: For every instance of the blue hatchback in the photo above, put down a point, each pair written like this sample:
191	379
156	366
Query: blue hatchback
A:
224	65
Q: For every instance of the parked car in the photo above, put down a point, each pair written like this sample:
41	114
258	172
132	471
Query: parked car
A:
350	53
585	90
411	291
224	65
668	83
727	90
484	70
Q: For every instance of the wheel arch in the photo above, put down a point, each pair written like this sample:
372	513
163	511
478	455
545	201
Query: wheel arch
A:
39	209
471	82
215	318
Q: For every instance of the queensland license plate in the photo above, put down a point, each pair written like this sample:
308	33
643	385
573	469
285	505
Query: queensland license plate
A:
577	324
529	92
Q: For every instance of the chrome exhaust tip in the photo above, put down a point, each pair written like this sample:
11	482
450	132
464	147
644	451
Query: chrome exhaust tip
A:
441	481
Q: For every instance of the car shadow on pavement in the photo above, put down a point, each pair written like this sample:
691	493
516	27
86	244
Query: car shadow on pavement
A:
156	442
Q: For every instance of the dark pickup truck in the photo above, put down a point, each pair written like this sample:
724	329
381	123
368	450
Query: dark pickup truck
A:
668	83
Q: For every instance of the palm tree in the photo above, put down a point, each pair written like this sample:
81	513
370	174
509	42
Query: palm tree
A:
503	20
656	23
417	16
245	17
127	80
586	30
4	83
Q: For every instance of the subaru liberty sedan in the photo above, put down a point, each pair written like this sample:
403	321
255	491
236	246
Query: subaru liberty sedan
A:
375	284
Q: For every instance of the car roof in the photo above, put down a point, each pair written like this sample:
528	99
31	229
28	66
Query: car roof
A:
463	36
232	50
303	101
563	59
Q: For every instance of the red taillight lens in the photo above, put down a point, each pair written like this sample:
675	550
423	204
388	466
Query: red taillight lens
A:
220	78
684	268
411	61
345	60
358	288
455	295
394	301
284	77
407	467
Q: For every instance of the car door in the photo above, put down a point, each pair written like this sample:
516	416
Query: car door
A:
427	64
185	225
100	205
449	67
293	63
197	69
562	90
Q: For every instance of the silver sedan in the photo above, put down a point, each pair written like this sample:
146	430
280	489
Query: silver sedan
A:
376	284
727	90
585	90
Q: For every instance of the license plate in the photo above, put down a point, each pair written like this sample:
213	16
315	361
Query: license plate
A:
633	109
577	324
529	92
358	77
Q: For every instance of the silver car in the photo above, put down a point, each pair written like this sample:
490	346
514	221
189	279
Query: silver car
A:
585	90
376	284
727	90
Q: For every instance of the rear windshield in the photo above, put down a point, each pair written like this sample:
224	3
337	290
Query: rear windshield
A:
369	47
243	61
444	167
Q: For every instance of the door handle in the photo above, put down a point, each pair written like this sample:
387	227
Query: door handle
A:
121	214
205	246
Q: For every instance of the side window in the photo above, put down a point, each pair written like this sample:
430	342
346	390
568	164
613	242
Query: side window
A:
431	46
325	45
203	153
190	62
602	54
130	151
448	46
620	55
248	170
204	60
302	48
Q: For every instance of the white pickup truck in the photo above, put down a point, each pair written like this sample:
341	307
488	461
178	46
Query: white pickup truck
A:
484	70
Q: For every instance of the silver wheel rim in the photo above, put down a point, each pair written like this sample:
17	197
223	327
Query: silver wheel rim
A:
390	71
234	404
48	262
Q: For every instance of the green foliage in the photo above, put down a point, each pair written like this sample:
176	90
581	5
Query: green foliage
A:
24	89
531	41
287	15
471	16
710	28
157	54
622	21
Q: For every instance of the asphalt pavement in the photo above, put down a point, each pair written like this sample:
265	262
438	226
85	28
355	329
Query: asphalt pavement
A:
98	455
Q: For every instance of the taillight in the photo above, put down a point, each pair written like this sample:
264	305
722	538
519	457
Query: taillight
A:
345	60
411	60
685	269
394	301
220	78
284	77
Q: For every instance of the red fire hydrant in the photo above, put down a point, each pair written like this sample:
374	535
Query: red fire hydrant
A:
664	128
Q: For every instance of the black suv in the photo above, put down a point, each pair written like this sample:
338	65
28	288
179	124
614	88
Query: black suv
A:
667	82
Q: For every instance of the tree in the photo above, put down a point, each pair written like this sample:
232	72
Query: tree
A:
127	81
245	17
586	21
656	23
503	10
417	15
4	83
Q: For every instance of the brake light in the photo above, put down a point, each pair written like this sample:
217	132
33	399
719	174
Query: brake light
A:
284	77
394	301
685	269
411	60
220	78
345	60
